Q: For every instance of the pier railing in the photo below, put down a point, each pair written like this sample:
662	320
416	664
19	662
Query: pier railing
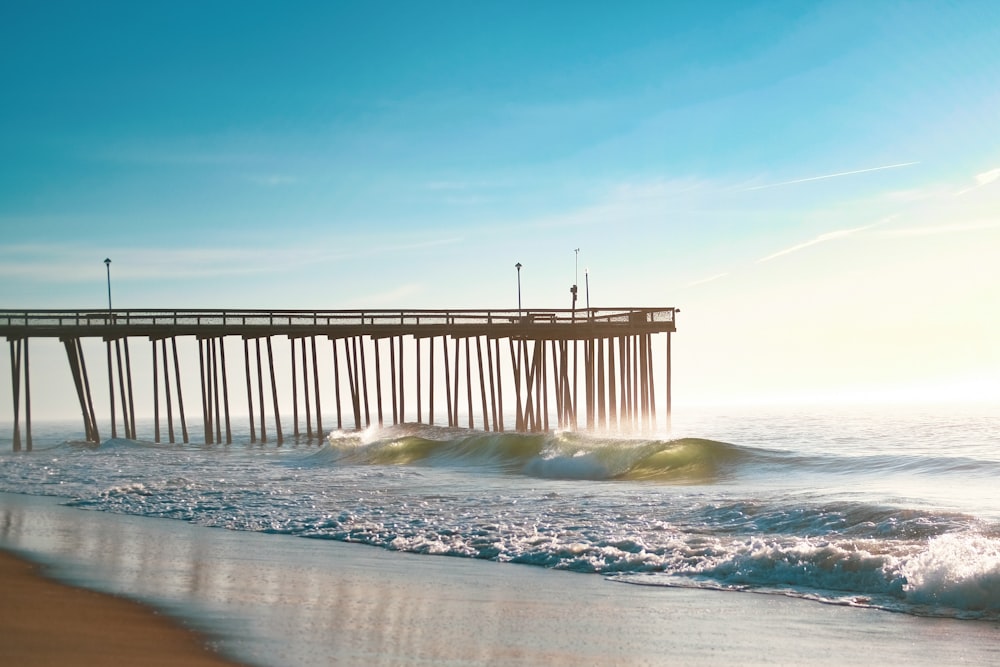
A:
58	323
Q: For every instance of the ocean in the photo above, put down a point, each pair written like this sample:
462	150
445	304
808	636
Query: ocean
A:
892	508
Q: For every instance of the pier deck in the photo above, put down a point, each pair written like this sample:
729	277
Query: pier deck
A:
604	353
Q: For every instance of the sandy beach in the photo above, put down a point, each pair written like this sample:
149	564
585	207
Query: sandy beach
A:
278	600
43	622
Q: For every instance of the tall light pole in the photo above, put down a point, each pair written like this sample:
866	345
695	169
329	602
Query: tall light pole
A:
107	263
576	280
586	280
518	267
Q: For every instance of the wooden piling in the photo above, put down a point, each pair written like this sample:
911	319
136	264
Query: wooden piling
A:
482	384
205	364
669	407
131	397
364	382
623	367
447	377
569	400
212	383
111	391
588	374
496	345
430	382
529	386
295	390
493	394
612	394
396	418
27	399
634	343
305	388
315	365
166	389
180	393
652	381
121	388
352	379
274	391
336	384
402	385
602	415
216	344
15	378
260	392
246	367
468	380
156	396
420	408
378	383
518	419
458	372
225	391
543	382
76	371
557	382
86	386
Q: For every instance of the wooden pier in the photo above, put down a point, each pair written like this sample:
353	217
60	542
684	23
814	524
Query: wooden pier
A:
568	369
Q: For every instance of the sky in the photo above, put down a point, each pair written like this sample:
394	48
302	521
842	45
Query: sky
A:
816	185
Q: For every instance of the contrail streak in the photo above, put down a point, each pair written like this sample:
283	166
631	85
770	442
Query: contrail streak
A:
825	176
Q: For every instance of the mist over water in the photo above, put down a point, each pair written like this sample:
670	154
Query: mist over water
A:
894	509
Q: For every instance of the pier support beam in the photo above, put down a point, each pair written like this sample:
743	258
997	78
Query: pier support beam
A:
79	373
274	391
111	391
315	365
19	368
336	384
668	388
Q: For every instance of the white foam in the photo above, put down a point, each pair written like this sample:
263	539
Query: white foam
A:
960	571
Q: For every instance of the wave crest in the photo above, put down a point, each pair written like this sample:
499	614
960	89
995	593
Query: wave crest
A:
552	456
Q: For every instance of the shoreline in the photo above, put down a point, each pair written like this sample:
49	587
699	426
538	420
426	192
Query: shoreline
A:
45	622
285	601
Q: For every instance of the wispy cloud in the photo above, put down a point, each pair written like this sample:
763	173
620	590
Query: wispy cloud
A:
982	180
826	176
953	228
394	296
823	238
74	264
709	279
382	249
633	202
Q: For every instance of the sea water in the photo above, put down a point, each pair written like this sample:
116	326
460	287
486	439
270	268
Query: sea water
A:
893	508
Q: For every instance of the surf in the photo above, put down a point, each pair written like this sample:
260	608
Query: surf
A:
559	455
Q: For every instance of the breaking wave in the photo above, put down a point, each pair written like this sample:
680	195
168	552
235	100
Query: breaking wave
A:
549	456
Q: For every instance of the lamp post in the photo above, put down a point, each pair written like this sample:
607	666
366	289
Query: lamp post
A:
576	281
107	263
518	267
586	280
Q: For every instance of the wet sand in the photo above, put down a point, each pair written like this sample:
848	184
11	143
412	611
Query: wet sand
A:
288	601
46	623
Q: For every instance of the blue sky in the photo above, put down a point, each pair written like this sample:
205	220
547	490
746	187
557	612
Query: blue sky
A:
816	185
